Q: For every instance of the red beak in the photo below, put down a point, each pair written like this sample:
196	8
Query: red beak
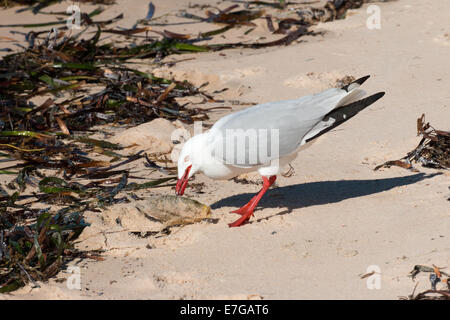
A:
182	183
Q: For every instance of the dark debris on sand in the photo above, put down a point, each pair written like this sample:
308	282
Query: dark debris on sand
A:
437	276
433	150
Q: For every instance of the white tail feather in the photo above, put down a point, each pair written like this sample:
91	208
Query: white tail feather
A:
354	95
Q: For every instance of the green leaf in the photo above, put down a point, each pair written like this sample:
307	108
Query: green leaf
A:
51	185
19	134
41	218
48	80
7	172
95	12
190	47
16	284
71	78
39	252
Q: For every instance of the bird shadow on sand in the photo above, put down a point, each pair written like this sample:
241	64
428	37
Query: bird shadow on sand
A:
321	192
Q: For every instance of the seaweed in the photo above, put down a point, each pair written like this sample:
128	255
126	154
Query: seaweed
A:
50	144
436	276
433	150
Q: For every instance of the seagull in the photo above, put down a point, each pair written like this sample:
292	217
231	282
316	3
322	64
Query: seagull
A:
266	137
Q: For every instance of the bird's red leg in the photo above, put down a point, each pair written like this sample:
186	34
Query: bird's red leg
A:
247	211
242	210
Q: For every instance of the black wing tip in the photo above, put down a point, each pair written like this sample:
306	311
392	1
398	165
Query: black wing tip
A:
347	112
359	81
361	104
378	95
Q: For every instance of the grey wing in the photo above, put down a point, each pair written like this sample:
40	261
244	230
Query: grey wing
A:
265	132
259	134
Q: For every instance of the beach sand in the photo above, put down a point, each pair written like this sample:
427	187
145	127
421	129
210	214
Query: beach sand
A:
335	219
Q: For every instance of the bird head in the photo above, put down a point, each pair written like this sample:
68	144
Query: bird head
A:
188	163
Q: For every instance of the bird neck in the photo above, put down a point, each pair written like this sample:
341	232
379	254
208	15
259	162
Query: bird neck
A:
206	163
201	154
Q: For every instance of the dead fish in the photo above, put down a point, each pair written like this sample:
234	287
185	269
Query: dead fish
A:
172	210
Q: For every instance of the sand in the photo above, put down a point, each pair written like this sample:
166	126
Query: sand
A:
335	219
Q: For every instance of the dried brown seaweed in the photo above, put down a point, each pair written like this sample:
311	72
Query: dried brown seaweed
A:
51	148
240	17
436	276
433	150
280	4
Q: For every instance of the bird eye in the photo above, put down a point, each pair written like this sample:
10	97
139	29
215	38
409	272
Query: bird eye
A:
186	159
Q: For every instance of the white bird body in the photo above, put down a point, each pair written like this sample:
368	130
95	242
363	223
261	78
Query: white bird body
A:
282	127
219	170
